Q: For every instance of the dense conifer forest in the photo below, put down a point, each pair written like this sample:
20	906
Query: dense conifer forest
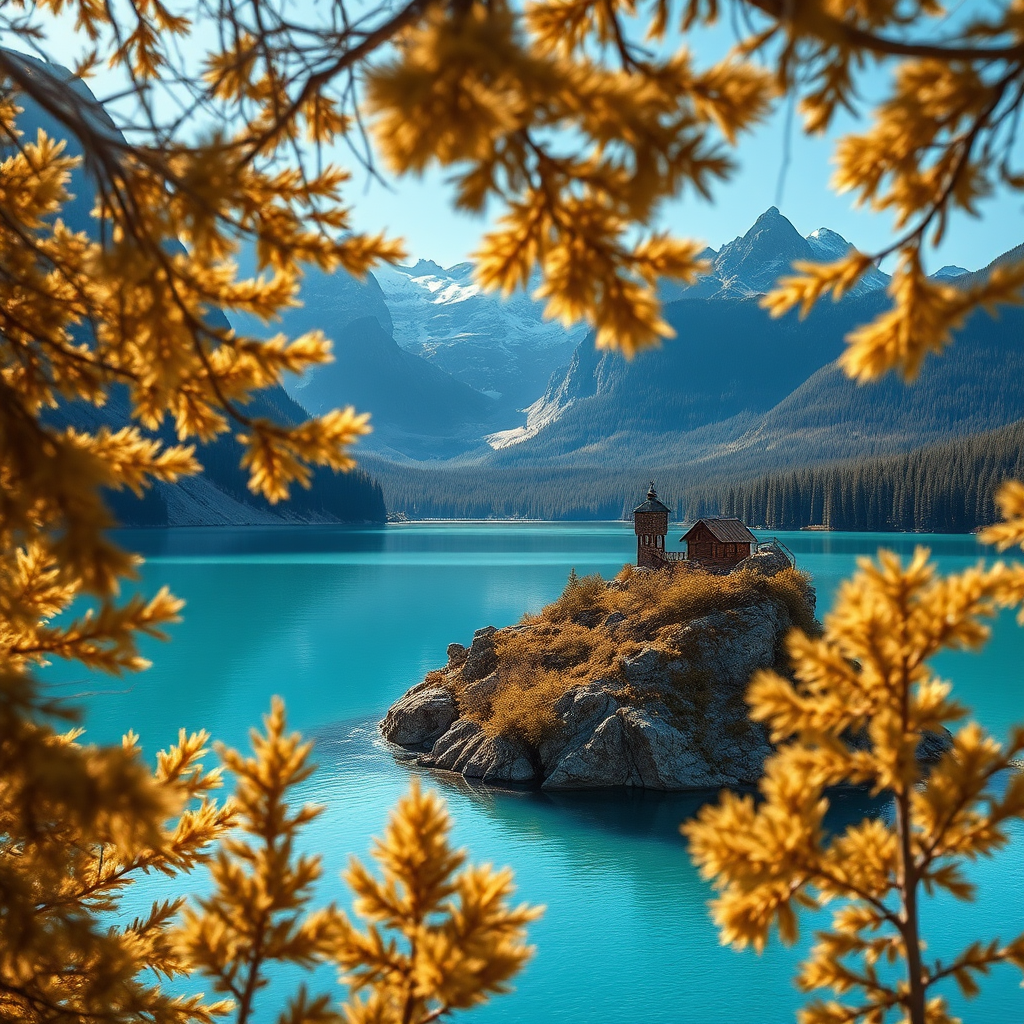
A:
946	487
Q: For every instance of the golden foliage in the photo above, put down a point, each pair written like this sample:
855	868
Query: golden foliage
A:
482	88
258	912
868	679
1009	532
439	935
81	824
126	302
554	117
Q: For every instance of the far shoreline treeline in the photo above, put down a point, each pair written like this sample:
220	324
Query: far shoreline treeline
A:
946	487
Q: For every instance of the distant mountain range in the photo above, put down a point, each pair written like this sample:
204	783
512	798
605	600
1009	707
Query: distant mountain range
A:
751	264
523	374
462	382
503	348
735	393
739	392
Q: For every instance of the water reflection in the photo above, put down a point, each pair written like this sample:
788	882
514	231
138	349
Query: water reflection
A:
198	541
813	542
624	814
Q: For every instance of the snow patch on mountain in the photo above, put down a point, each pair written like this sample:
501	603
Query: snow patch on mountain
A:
466	311
544	411
828	244
451	292
497	345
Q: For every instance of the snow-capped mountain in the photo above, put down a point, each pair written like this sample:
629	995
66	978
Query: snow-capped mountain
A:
508	350
828	245
525	384
502	347
751	264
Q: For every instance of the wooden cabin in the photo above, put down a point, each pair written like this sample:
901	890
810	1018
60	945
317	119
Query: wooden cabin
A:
719	542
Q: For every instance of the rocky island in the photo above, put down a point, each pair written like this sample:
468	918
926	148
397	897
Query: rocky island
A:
638	682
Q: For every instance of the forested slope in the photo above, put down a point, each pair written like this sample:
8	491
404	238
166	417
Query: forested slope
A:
220	494
945	487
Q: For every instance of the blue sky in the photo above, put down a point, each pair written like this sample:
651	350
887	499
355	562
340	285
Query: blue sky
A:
421	211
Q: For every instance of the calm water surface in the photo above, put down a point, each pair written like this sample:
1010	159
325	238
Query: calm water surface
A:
341	621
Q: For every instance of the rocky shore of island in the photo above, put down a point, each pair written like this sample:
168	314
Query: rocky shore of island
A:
666	713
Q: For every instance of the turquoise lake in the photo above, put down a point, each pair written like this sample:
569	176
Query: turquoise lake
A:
341	621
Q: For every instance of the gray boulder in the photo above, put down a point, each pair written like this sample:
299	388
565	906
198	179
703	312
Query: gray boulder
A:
456	746
665	755
456	656
420	717
481	660
603	760
467	749
730	646
933	745
768	561
645	671
579	712
478	691
930	748
650	748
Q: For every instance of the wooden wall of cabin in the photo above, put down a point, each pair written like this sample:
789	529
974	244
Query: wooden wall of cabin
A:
703	546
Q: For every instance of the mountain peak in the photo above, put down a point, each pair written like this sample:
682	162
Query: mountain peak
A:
751	264
828	245
461	272
421	268
827	235
775	226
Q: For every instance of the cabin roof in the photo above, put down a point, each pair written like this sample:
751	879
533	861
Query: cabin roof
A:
726	531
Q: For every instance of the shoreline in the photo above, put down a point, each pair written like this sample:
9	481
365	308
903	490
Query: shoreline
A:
376	525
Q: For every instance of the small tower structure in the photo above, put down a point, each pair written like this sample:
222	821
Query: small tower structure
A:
650	523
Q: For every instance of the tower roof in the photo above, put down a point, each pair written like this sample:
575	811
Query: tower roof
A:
652	504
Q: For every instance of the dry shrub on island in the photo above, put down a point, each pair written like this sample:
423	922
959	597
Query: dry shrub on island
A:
571	641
